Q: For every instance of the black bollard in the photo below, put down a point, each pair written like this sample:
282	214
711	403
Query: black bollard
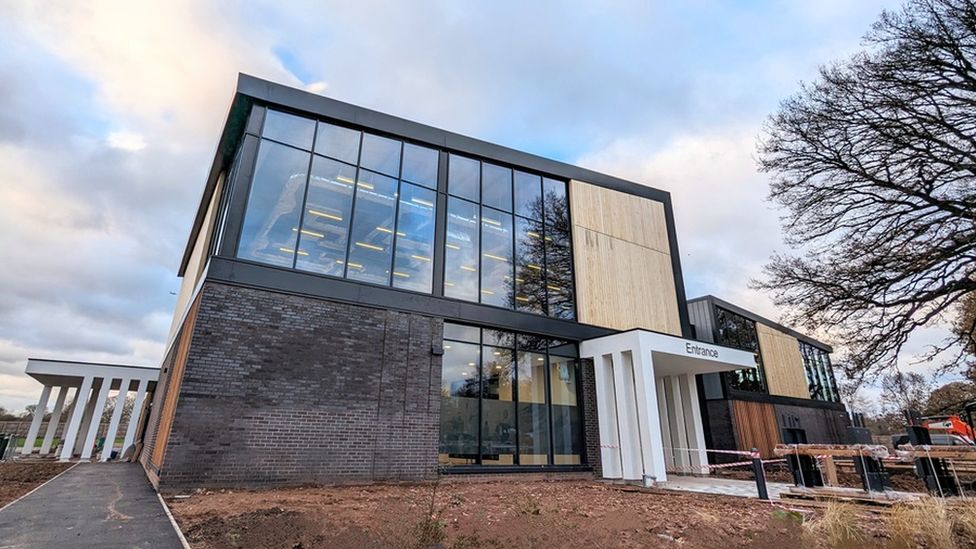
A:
757	469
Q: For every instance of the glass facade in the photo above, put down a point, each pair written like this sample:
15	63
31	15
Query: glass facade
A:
346	203
819	373
737	331
518	253
508	399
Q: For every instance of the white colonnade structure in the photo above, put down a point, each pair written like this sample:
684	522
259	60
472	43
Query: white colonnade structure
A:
90	384
647	401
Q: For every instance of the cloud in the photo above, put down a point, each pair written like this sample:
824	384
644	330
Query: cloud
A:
126	141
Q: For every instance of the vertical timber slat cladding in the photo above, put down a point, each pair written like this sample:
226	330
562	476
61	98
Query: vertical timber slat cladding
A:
755	426
782	363
624	276
282	389
171	392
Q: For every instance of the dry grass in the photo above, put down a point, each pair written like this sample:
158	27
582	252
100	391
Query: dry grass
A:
926	522
964	515
838	528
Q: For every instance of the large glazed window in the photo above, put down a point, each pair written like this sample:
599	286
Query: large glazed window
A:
526	259
527	411
340	202
737	331
819	373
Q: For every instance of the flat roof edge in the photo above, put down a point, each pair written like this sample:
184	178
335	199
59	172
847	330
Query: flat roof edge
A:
759	318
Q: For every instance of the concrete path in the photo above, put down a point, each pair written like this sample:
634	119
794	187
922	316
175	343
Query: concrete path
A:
92	505
724	486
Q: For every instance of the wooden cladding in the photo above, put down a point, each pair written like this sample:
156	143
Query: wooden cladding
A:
174	378
755	426
782	363
624	275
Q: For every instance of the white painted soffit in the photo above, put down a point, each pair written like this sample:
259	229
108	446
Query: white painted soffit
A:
671	355
63	373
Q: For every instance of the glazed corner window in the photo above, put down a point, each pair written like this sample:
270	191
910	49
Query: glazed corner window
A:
508	399
737	331
332	200
525	260
819	373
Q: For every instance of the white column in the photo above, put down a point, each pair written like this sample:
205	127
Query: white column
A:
693	423
630	456
70	433
136	417
678	434
665	423
52	424
35	425
96	419
606	404
86	416
652	444
113	424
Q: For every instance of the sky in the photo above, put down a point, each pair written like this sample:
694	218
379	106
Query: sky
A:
111	113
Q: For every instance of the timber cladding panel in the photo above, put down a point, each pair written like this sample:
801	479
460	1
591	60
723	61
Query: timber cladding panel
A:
755	426
782	363
624	274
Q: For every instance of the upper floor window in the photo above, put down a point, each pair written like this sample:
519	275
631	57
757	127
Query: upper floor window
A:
819	373
737	331
342	202
508	239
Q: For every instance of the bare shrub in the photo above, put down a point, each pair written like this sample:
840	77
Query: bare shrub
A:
925	522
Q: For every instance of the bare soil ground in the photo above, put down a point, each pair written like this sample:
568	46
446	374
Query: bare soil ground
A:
19	477
483	514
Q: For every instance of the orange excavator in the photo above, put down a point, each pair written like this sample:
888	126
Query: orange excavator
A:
950	425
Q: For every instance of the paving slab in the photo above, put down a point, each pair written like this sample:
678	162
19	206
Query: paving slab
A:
91	505
724	486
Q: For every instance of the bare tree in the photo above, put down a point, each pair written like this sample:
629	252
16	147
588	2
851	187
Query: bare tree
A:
901	391
875	166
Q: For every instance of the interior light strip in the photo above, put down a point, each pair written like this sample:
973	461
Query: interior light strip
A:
384	230
369	246
554	288
404	275
520	298
533	234
533	266
496	257
467	268
453	246
488	292
344	179
291	251
422	202
310	233
323	214
366	185
420	257
492	221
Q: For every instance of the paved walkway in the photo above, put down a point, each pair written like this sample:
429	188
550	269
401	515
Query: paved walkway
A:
92	505
725	486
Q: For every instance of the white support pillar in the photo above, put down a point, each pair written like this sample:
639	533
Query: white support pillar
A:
652	444
113	424
86	416
70	433
607	414
136	416
693	423
35	425
679	435
52	424
664	423
96	419
630	456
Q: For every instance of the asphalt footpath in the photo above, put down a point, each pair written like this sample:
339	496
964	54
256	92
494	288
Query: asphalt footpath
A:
91	505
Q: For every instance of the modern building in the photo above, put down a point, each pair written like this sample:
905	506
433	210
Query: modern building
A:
366	298
791	392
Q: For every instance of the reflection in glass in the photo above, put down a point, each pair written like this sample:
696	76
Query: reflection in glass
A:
559	256
462	332
530	280
496	258
533	416
420	165
413	266
496	187
288	128
819	373
528	195
737	331
325	224
463	177
370	246
274	205
380	154
338	142
567	437
497	406
459	404
461	256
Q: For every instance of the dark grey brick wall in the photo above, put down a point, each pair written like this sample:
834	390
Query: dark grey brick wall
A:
822	426
591	422
283	390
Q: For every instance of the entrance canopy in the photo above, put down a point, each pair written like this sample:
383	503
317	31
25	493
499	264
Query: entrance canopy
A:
647	400
91	383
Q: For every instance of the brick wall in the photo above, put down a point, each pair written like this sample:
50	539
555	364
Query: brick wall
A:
283	390
591	422
822	426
